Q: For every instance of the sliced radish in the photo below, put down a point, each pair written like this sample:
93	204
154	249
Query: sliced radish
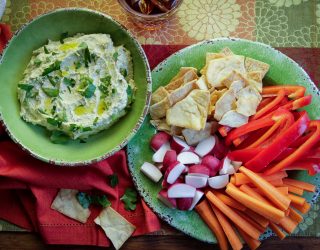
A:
165	184
159	154
220	149
159	139
196	181
212	163
181	191
178	144
169	157
236	165
196	199
219	181
188	158
227	167
184	203
174	171
151	171
206	146
169	202
199	169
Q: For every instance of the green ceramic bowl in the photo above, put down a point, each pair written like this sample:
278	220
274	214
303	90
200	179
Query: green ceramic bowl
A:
282	70
14	60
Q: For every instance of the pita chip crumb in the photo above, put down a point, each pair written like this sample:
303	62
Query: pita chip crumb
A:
233	119
67	204
115	226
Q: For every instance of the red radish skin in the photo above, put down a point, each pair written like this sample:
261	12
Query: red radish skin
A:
206	146
178	144
184	203
159	154
188	158
169	202
196	181
196	199
165	184
181	191
199	169
220	149
174	171
212	163
159	139
169	157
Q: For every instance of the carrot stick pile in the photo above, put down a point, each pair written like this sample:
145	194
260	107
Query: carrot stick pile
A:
250	204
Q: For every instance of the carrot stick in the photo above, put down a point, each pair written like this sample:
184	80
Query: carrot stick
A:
211	220
295	190
300	184
249	191
277	230
287	212
251	221
269	212
243	179
275	183
232	179
229	201
297	199
252	243
228	229
280	200
283	190
288	225
257	217
294	215
243	224
303	209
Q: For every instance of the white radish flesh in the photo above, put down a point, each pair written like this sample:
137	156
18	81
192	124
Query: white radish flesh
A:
218	182
196	181
236	165
151	171
206	146
174	171
159	139
181	191
159	154
196	199
188	158
227	167
178	144
169	202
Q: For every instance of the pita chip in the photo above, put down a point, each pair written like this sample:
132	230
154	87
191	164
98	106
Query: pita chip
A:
248	101
159	95
177	83
182	71
66	203
158	110
233	119
193	137
255	65
224	104
180	93
115	226
161	125
201	83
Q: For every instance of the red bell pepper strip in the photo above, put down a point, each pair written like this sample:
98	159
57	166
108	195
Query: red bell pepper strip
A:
292	91
280	96
264	102
298	103
313	154
297	143
299	152
284	154
243	155
312	167
224	130
281	142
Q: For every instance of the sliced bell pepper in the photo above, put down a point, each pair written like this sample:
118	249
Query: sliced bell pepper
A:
243	155
312	167
281	142
264	102
224	130
292	91
299	152
298	103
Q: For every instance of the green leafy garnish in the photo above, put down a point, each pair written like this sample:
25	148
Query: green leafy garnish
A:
46	50
123	72
69	81
87	57
129	199
89	91
85	129
77	65
86	200
42	112
74	127
54	122
105	83
115	56
58	137
130	94
53	67
26	87
53	110
51	92
95	120
83	199
53	81
63	36
113	180
68	87
37	62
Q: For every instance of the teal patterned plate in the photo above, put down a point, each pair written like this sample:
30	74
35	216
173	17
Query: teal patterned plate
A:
283	70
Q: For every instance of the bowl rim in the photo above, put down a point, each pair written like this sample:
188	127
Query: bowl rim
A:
132	132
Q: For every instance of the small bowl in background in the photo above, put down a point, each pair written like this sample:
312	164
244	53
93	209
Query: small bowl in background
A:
149	21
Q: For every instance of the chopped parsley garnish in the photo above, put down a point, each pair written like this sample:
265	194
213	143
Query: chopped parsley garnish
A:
115	56
89	91
105	82
42	112
86	129
113	180
87	56
103	89
53	67
69	81
37	62
54	122
85	200
53	81
26	87
59	137
53	110
130	94
95	120
68	87
74	127
63	36
130	199
51	92
46	50
123	72
77	65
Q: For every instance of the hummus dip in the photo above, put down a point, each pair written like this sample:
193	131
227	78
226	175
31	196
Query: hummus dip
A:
77	86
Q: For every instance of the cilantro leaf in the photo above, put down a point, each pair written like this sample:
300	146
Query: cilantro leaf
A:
86	200
113	180
69	81
63	36
51	92
130	199
26	87
53	67
95	120
83	199
58	137
89	91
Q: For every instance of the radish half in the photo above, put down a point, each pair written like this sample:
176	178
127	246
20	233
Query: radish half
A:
199	170
151	171
178	144
165	184
188	158
184	203
196	199
169	202
206	146
169	157
174	171
220	149
236	165
196	181
219	181
227	167
159	139
159	154
212	163
181	191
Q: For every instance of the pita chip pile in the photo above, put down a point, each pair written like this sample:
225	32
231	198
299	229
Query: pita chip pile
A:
227	92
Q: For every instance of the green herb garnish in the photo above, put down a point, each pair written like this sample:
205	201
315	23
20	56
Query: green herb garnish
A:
95	120
26	87
74	127
46	50
53	110
77	65
37	62
129	199
86	129
63	36
86	200
42	112
130	94
59	137
123	72
115	56
89	91
87	58
113	180
69	81
54	122
53	67
83	199
51	92
53	81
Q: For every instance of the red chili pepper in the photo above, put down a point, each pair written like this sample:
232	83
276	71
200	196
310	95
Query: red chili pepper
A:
292	91
299	152
281	142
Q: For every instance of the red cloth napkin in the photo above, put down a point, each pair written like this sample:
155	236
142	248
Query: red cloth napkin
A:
28	187
5	35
